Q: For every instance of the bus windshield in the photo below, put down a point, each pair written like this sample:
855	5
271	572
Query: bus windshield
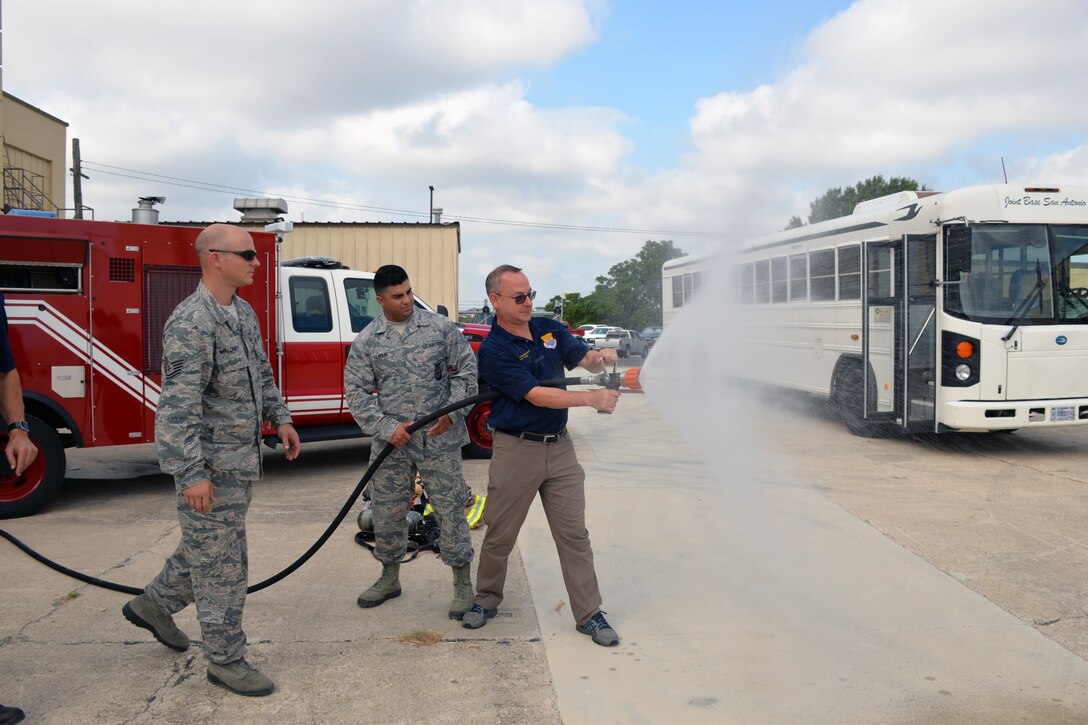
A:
1030	274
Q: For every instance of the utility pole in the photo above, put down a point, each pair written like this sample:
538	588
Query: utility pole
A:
77	179
430	209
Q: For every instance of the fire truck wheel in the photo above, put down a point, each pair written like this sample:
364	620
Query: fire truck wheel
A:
25	494
479	435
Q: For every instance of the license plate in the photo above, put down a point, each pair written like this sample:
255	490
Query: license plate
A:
1063	412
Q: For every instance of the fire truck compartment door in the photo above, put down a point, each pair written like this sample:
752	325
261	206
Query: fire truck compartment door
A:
69	381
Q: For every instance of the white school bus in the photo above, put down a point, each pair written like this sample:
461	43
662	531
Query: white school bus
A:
923	311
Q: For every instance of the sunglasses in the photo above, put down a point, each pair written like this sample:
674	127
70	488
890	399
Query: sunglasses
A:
520	299
247	254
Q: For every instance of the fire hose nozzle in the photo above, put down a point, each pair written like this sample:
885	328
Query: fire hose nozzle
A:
627	379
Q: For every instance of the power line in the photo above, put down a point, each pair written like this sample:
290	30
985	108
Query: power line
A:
139	175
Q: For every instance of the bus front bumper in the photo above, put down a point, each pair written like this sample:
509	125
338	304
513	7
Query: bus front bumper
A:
969	415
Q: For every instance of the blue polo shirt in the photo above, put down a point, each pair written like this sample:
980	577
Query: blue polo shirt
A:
514	366
7	358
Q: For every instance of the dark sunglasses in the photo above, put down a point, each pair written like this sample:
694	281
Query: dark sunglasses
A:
520	299
247	254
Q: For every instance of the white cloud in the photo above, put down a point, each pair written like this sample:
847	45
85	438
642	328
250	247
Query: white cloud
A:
368	102
277	61
888	83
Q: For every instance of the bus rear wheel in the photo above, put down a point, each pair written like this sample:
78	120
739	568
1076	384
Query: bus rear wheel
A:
27	493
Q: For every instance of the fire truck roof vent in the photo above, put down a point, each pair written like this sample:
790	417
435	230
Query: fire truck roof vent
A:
145	211
261	211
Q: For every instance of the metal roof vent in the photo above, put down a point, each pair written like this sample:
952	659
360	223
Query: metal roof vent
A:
145	213
261	211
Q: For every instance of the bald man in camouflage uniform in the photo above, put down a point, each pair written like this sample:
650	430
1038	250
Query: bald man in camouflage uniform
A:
403	365
217	388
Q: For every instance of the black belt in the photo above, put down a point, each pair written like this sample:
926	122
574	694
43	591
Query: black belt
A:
536	437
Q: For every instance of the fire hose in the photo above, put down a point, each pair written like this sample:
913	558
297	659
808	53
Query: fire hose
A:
613	381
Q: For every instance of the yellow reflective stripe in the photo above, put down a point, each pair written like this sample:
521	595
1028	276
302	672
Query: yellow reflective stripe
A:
473	514
476	512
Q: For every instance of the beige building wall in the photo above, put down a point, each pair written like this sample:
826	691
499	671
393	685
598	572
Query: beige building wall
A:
430	253
34	142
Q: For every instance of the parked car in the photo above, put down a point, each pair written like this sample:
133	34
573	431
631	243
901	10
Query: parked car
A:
474	333
588	327
597	333
651	333
625	342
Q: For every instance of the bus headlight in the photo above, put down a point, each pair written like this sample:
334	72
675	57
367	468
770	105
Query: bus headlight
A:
961	360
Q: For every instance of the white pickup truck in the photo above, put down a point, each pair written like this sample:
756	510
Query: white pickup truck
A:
625	342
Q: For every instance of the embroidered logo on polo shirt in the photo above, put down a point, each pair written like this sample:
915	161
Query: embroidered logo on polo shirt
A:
549	341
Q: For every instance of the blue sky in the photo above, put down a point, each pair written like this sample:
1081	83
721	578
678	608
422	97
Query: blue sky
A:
595	125
654	60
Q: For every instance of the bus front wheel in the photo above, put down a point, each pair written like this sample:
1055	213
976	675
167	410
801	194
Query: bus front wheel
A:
850	402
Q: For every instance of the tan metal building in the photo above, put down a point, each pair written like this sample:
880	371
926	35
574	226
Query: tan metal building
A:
430	253
35	171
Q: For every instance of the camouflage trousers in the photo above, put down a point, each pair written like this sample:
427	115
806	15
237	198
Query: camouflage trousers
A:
391	490
211	568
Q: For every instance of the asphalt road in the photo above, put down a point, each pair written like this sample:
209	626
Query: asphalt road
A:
760	564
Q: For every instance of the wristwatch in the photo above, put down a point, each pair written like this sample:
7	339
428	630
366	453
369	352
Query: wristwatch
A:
19	425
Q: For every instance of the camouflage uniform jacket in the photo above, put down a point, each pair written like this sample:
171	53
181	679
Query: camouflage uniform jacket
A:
426	368
217	389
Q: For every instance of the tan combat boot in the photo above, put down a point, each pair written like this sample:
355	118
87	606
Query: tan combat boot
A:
462	591
387	587
241	678
143	612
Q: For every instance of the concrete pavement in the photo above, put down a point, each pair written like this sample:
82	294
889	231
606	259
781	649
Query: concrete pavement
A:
744	596
740	593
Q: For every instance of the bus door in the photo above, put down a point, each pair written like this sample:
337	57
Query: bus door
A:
918	350
881	320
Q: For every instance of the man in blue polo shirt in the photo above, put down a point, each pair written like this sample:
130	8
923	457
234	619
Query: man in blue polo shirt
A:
532	452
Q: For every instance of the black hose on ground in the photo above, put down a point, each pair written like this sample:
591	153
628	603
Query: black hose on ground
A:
344	510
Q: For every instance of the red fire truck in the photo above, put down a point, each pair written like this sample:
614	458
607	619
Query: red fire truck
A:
86	303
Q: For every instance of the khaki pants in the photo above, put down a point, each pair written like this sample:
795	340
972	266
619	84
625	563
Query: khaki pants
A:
519	470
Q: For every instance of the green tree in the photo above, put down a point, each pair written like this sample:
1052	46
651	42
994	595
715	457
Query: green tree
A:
794	222
837	202
577	310
630	294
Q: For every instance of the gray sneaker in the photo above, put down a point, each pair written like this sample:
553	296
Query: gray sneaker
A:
143	612
241	678
600	630
477	616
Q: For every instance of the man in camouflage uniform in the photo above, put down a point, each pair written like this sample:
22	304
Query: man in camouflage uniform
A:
217	388
403	365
